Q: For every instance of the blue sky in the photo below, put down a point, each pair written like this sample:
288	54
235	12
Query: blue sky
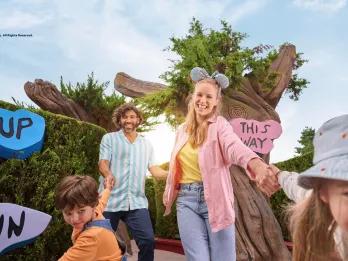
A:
74	38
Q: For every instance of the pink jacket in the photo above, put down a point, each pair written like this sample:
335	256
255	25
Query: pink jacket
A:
221	149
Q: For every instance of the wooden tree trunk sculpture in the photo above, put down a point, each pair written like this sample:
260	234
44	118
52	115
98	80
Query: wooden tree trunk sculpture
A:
47	96
258	233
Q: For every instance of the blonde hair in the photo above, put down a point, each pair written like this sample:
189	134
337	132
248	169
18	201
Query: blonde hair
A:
312	226
198	131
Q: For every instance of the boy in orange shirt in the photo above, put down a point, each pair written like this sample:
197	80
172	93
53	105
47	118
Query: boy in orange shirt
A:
92	237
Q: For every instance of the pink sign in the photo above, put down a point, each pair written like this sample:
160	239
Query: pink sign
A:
257	135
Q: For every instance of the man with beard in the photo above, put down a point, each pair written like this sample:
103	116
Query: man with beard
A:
125	156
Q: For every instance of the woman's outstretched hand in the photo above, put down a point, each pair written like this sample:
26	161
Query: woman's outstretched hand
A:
264	177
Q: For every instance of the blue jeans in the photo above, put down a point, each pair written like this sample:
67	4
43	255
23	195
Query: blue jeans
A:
139	224
199	242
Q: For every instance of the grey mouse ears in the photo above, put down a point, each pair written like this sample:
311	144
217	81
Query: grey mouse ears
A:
197	74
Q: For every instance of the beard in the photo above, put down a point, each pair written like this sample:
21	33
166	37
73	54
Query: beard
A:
129	127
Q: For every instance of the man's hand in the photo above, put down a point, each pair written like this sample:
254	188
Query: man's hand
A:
109	182
266	180
109	179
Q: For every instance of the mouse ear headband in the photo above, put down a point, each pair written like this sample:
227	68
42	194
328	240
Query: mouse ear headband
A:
198	74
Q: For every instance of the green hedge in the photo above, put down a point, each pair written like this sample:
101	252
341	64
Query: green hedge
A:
166	226
279	201
71	147
150	194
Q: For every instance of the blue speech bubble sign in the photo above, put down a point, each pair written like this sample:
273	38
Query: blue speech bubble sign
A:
21	133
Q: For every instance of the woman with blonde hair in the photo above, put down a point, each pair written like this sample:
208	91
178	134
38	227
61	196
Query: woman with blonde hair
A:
319	220
199	177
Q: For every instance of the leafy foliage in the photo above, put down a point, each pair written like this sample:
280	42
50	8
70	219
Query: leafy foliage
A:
91	96
214	50
22	104
150	194
166	226
70	147
306	142
297	84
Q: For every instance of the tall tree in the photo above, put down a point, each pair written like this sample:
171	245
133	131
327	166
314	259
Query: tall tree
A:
305	141
259	76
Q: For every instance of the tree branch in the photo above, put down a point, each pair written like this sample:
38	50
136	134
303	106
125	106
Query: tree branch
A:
132	87
48	97
282	66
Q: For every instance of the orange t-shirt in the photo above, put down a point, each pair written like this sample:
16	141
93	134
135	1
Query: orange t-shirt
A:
94	243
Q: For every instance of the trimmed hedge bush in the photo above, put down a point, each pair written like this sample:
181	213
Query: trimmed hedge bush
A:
150	194
166	226
71	147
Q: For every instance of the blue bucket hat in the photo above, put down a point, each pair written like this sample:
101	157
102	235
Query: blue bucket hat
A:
330	153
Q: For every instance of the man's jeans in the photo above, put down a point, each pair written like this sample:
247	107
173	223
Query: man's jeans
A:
139	224
199	243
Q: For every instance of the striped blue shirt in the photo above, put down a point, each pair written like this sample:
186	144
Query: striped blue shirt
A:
129	163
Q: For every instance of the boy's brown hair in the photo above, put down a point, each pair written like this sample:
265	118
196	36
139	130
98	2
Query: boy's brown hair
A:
76	191
120	111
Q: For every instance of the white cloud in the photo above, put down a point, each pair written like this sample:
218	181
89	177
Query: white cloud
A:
115	33
13	87
106	41
245	9
16	20
27	2
330	6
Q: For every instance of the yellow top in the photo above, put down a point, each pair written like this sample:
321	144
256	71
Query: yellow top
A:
95	243
188	158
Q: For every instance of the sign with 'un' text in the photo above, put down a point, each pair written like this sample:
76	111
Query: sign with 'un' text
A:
20	226
21	133
257	135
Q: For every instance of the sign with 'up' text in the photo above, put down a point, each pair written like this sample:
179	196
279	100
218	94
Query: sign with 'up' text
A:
21	133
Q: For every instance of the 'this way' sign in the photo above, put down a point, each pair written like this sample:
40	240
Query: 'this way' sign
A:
21	133
258	136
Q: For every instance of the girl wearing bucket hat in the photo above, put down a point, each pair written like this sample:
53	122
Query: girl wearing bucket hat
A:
319	220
